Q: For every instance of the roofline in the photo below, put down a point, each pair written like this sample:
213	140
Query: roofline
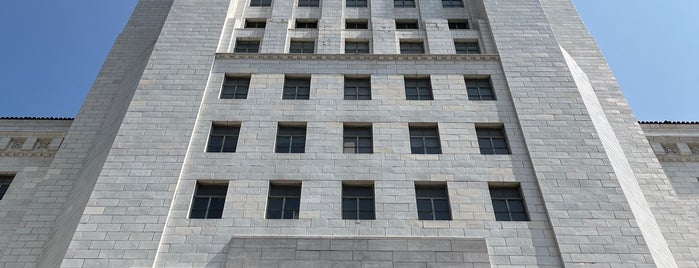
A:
668	122
36	118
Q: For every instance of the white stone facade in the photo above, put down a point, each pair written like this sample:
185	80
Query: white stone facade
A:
119	191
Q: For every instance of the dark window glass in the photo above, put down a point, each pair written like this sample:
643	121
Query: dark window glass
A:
235	88
306	24
508	204
403	3
407	25
412	48
247	46
260	3
356	25
356	47
467	48
296	88
309	3
255	24
458	25
479	89
283	202
432	203
5	181
424	140
223	139
208	201
452	3
492	140
358	203
358	140
291	139
357	88
302	47
418	89
355	3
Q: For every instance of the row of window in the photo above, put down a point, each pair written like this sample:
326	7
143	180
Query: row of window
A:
283	202
5	181
357	3
356	88
357	139
247	45
357	24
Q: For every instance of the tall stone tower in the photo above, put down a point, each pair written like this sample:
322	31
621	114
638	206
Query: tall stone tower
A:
355	133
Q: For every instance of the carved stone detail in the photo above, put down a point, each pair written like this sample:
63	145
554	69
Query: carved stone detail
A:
43	144
17	143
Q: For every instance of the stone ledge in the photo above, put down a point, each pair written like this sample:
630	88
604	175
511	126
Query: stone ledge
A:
362	57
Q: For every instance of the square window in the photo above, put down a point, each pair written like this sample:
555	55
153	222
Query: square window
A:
458	24
356	47
309	3
260	3
255	23
5	181
296	88
418	89
425	140
235	87
403	3
356	24
223	139
411	47
479	89
452	3
407	25
508	204
208	202
355	3
283	201
357	89
358	202
291	139
492	140
432	202
357	140
247	46
467	47
302	46
306	24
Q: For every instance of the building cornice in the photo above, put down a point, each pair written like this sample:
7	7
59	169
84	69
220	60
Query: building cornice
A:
362	57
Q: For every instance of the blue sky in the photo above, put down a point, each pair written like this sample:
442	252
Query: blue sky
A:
52	50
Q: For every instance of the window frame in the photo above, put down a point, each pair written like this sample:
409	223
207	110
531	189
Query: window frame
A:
452	3
356	199
308	3
433	208
475	88
5	183
306	24
407	24
209	197
468	49
357	3
404	3
508	200
423	91
419	132
459	24
357	49
296	135
300	86
481	134
247	46
255	24
304	47
359	134
285	197
234	83
410	47
225	138
363	23
357	85
260	3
